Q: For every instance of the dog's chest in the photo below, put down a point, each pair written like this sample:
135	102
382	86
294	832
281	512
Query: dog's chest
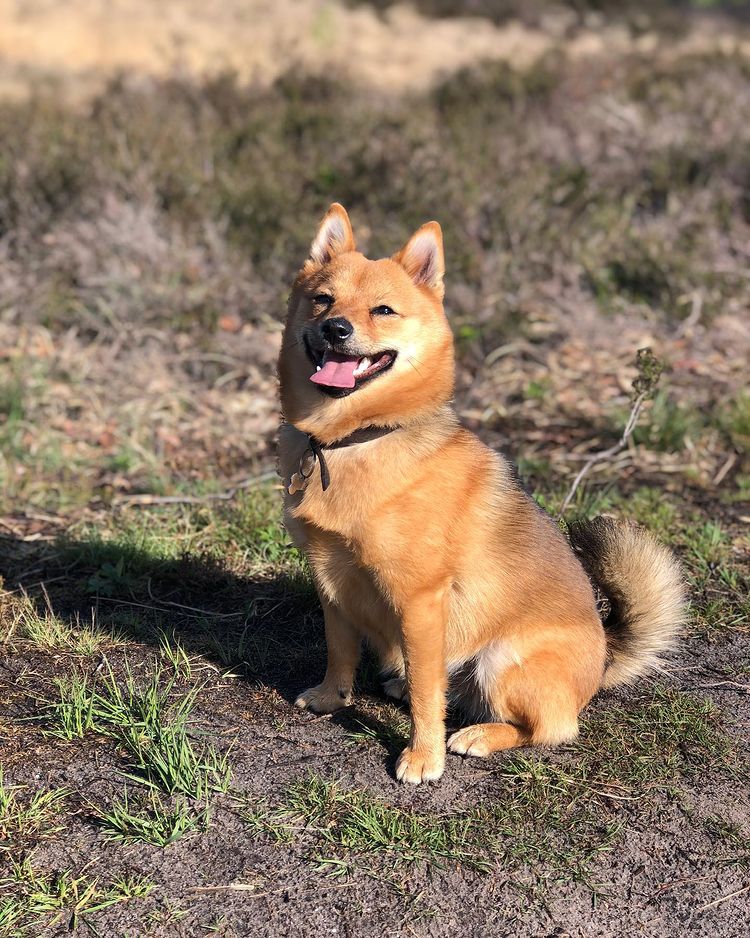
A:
345	579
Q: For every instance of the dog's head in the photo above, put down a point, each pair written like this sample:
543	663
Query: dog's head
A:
366	342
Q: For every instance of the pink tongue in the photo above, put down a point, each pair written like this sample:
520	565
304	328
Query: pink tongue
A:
337	372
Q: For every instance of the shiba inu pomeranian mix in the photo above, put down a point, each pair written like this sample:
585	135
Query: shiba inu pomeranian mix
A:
420	539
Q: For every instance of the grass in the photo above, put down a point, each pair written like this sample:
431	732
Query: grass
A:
659	742
714	562
534	812
562	814
26	814
23	621
670	735
172	652
715	618
153	822
548	816
642	233
356	823
41	899
246	533
733	841
389	728
670	425
544	813
735	420
151	724
72	715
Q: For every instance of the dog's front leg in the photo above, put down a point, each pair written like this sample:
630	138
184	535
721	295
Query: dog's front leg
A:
423	640
343	643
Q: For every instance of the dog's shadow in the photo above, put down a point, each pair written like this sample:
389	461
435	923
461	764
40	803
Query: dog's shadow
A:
267	627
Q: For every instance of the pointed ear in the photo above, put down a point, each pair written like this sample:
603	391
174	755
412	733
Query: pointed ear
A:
422	257
335	235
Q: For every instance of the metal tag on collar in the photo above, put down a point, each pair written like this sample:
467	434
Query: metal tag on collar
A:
306	467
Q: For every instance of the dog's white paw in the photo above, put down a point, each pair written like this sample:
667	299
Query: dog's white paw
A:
470	741
418	765
323	699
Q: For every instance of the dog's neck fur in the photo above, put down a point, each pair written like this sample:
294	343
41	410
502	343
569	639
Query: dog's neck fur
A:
423	437
358	483
442	418
317	450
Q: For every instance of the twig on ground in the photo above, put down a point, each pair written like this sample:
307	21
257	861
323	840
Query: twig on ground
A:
144	500
743	688
644	386
696	309
249	887
635	413
686	881
722	473
323	716
203	612
236	887
732	895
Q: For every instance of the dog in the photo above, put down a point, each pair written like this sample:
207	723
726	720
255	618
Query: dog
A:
420	539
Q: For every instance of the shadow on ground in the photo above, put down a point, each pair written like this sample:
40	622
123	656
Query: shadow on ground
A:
268	627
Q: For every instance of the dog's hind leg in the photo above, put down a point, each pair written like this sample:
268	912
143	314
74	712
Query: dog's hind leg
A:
396	688
540	698
480	739
392	666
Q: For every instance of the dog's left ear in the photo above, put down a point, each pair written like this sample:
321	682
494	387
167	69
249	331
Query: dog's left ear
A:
422	258
335	236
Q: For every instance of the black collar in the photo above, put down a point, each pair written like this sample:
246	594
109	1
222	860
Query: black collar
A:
315	449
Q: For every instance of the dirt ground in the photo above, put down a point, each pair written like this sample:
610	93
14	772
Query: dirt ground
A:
592	181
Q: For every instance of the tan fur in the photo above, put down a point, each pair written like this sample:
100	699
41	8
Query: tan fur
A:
647	591
423	544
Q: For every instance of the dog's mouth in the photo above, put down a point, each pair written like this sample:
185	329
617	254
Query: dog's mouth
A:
338	374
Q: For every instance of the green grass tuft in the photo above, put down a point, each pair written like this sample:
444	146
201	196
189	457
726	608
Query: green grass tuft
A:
25	815
154	821
535	811
150	722
22	621
39	900
356	821
668	735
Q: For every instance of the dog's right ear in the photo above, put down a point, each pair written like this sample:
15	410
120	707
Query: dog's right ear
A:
335	236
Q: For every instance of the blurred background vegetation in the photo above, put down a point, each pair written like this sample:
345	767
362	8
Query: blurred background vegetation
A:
591	177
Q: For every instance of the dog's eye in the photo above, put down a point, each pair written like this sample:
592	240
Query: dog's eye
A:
323	299
383	311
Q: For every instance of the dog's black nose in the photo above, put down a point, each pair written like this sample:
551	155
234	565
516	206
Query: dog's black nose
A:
336	330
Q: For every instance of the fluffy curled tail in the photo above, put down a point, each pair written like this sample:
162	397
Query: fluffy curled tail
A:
646	591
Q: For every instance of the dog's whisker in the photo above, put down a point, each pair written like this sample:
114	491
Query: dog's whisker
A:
410	360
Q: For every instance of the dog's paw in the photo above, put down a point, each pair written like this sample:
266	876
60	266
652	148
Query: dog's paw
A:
396	687
470	741
418	765
323	699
